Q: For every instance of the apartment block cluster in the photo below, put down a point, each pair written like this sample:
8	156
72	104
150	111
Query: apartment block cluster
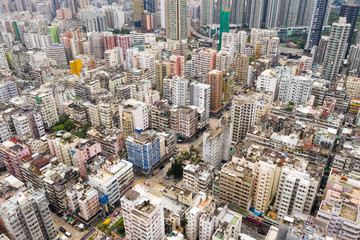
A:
192	120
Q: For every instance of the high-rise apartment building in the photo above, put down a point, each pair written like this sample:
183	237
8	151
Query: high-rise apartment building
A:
8	89
85	198
44	101
239	12
3	61
27	216
231	43
143	214
320	9
203	61
296	192
75	66
162	70
177	64
351	13
241	67
295	89
176	17
353	87
215	80
138	11
179	91
266	175
336	49
200	96
181	48
321	49
257	13
133	115
236	184
183	121
243	115
143	150
207	13
214	146
354	58
267	81
11	153
57	52
223	60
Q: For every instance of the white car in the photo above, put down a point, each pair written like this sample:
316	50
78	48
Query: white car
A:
68	234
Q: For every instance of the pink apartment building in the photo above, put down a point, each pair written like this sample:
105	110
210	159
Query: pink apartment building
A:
177	65
84	198
85	152
11	153
124	43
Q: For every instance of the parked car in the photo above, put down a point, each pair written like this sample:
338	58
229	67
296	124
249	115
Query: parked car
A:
161	167
115	214
68	234
62	230
261	232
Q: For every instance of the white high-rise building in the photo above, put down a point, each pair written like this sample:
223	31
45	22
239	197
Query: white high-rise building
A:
223	60
57	52
192	227
3	61
258	34
336	49
214	146
296	192
44	101
267	81
200	96
143	215
242	41
147	61
230	43
243	116
139	112
26	216
295	89
8	89
113	57
130	53
267	179
179	91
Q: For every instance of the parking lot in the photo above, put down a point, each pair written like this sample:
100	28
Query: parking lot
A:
59	222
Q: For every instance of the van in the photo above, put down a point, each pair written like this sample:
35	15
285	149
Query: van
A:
68	234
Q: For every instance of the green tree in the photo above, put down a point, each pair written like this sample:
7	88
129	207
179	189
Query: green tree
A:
116	31
251	59
121	227
291	103
58	128
79	134
86	125
62	120
124	31
333	17
188	57
69	125
289	109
